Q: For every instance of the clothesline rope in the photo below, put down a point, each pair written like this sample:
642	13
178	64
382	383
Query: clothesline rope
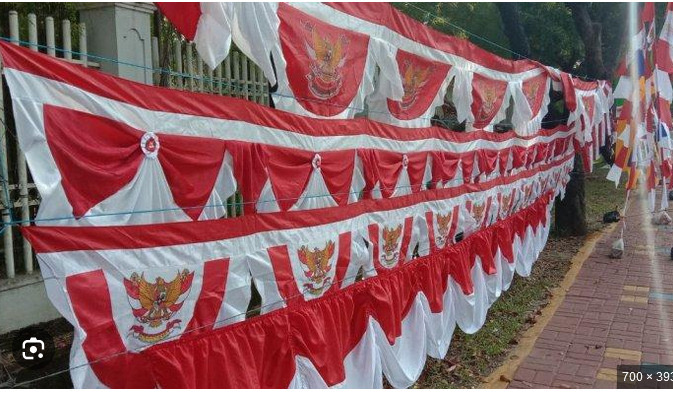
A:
242	86
235	204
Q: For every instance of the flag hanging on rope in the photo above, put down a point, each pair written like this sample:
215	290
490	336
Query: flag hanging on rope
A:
159	288
333	60
636	98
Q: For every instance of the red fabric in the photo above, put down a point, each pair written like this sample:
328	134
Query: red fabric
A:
662	52
570	99
104	349
467	165
325	64
421	79
385	166
191	165
589	107
87	147
221	107
52	239
444	166
487	98
210	298
488	159
287	282
290	170
503	157
259	353
387	16
184	16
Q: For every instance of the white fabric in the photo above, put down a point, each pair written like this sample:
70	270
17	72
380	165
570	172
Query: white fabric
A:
378	110
423	333
316	195
462	94
253	27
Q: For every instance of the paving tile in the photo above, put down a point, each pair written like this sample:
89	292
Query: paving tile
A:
616	312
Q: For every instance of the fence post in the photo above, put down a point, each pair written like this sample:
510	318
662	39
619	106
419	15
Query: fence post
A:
237	74
21	159
83	52
51	37
155	61
8	239
209	75
67	40
178	62
227	75
32	32
190	65
244	77
218	76
199	72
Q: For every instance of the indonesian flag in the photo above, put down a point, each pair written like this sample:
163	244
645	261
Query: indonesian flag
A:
170	305
425	82
252	26
328	71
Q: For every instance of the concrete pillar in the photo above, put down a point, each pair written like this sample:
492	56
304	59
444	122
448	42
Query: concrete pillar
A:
120	31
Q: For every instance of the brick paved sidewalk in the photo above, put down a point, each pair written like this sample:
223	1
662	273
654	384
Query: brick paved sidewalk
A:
618	311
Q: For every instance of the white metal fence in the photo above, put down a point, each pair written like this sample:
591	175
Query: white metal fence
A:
237	76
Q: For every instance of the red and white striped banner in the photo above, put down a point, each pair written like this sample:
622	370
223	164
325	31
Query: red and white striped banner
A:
410	233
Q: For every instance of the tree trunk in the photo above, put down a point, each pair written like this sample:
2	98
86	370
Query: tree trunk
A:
164	41
591	34
570	212
518	41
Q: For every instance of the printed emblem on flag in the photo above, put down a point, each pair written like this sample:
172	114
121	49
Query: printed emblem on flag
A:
530	90
327	56
316	265
391	245
527	192
158	302
414	78
487	110
478	211
506	204
443	228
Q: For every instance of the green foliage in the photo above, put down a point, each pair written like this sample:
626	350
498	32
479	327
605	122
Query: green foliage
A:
551	34
549	27
58	11
455	19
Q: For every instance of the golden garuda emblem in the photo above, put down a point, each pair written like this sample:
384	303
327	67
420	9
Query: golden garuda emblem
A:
327	56
316	265
443	227
478	211
391	241
159	301
505	205
414	78
530	91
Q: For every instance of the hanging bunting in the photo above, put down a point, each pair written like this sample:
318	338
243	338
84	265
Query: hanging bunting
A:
327	56
425	83
339	286
144	145
213	26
